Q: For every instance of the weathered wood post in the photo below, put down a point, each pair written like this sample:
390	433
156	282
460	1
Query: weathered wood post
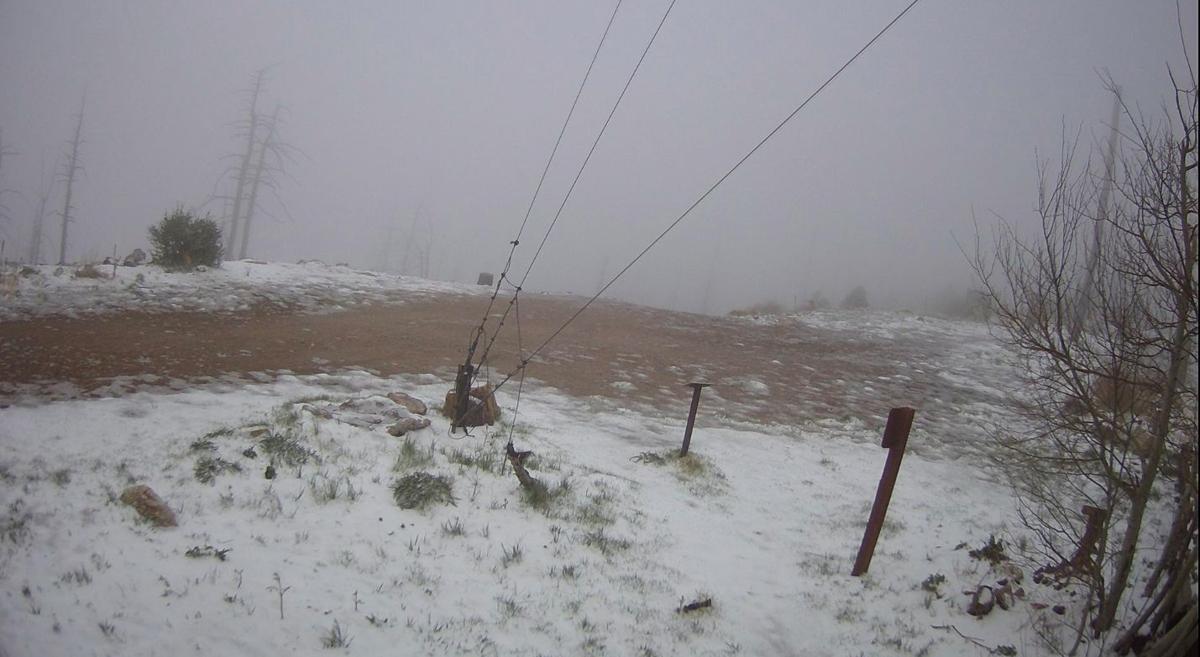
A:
895	438
462	399
691	422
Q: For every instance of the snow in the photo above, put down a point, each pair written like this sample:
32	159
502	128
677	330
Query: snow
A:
236	285
768	529
763	519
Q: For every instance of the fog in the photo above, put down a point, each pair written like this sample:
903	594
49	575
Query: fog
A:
425	126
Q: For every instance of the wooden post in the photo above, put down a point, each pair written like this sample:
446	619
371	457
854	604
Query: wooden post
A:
462	399
895	438
691	422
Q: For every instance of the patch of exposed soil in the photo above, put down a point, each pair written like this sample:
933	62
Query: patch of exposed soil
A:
786	373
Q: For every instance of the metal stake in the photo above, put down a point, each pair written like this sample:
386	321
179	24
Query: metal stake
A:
687	433
895	438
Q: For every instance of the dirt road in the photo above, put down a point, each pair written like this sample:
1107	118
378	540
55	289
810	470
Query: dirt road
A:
783	373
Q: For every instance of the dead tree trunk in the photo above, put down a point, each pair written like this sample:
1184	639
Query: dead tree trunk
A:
256	182
1085	303
71	169
243	174
1179	161
517	459
4	151
35	240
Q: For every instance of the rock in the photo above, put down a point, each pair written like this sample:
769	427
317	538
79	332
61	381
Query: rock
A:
135	259
982	602
479	413
1004	598
485	279
1011	572
408	424
149	505
269	473
412	404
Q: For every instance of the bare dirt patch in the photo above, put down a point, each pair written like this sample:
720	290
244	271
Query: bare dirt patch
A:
776	373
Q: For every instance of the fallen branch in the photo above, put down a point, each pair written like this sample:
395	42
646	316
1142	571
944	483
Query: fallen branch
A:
693	606
998	650
517	459
206	551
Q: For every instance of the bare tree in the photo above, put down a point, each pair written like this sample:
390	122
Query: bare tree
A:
418	245
1105	318
249	129
856	298
257	178
39	218
5	216
71	169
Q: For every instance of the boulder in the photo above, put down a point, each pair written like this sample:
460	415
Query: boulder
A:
1004	597
485	279
135	259
481	408
412	404
407	424
149	505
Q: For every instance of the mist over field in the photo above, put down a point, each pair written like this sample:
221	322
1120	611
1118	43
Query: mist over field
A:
418	132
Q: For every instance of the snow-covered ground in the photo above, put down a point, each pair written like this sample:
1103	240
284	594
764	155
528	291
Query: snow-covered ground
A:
765	525
235	285
763	520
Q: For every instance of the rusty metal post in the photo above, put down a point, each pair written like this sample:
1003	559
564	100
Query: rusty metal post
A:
687	433
895	438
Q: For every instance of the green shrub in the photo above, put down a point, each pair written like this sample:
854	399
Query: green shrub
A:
856	299
183	242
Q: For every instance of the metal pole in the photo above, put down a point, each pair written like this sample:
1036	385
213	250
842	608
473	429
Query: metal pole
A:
895	438
691	422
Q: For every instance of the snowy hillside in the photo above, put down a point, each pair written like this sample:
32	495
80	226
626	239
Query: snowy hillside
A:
323	555
235	285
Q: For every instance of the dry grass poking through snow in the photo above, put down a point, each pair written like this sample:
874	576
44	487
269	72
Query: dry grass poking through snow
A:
336	535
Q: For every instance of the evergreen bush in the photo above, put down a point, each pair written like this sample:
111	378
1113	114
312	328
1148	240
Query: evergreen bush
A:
183	242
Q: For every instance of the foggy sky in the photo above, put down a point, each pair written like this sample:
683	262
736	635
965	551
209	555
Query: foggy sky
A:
451	108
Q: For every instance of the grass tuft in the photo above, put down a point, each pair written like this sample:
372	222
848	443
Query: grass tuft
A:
607	545
420	490
202	445
542	497
484	459
286	449
511	555
454	528
411	456
336	638
208	467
